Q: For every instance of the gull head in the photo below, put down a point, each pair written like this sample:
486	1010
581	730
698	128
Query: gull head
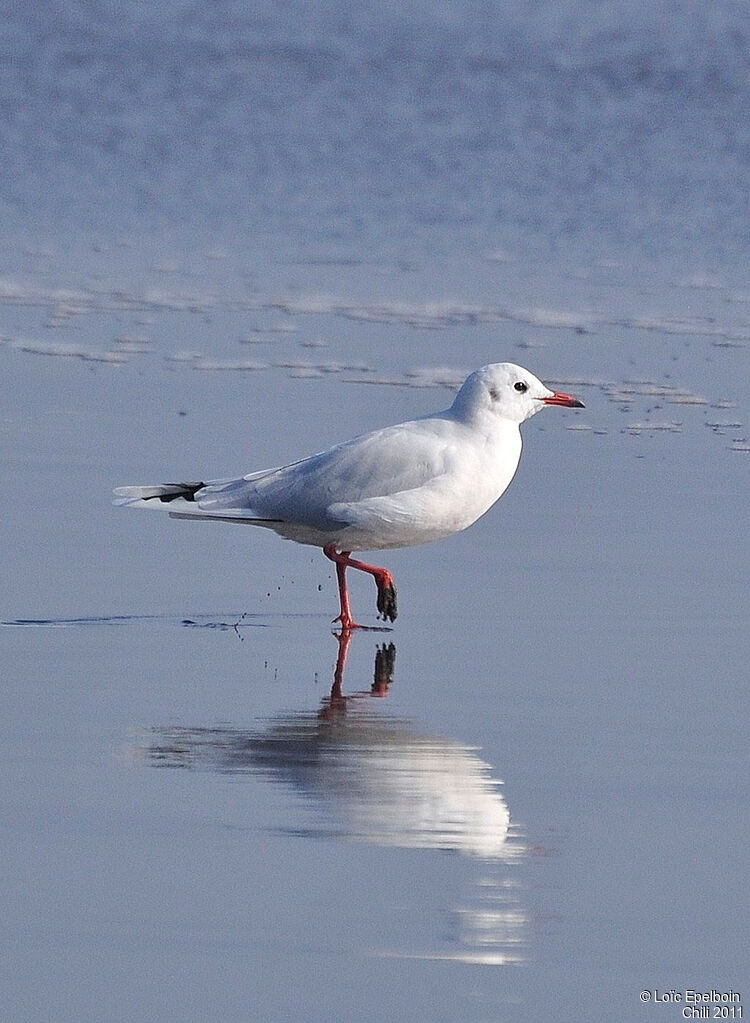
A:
506	391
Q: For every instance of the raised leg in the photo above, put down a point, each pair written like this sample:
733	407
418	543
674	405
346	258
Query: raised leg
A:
383	580
385	584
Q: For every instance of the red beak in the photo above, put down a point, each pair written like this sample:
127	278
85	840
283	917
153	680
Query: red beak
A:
559	398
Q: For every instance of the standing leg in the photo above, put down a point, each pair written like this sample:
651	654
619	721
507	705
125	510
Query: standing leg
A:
347	622
383	580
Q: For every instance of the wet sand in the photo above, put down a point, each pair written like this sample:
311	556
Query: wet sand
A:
532	787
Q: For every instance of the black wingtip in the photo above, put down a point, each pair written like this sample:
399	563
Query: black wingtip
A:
186	491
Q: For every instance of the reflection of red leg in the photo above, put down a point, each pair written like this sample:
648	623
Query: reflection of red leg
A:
336	702
383	580
344	639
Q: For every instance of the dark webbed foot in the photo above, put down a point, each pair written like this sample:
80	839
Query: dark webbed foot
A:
387	599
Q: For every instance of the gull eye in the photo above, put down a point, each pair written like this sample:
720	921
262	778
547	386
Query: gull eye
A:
520	386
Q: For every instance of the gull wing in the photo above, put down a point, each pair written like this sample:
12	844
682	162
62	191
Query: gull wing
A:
322	491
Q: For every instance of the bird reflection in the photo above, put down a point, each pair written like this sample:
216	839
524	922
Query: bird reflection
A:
376	779
372	773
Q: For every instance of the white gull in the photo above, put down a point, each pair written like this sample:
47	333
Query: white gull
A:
396	487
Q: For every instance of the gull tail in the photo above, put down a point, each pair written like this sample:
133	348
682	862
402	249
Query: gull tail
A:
180	500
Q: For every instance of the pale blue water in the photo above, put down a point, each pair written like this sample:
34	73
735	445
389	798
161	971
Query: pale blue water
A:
234	237
414	127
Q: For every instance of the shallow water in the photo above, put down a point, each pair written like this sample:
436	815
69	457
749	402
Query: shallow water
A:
526	800
530	788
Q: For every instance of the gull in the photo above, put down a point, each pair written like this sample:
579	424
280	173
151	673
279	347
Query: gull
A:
395	487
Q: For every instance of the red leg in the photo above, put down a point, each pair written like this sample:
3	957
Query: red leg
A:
383	580
385	584
347	622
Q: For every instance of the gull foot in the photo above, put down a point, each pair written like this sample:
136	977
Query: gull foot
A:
347	623
387	599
